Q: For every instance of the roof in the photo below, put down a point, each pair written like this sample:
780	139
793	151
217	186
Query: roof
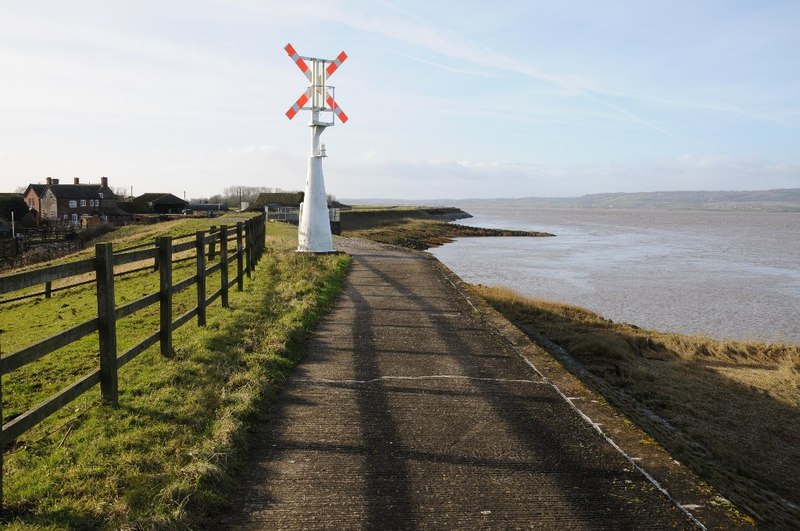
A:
277	198
37	188
81	191
131	207
113	211
159	197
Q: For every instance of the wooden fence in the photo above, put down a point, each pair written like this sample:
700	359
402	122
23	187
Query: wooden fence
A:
249	246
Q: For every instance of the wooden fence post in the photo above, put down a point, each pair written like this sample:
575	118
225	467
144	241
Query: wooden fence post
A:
262	229
107	324
165	294
239	261
48	290
248	249
254	254
200	245
212	244
223	258
255	242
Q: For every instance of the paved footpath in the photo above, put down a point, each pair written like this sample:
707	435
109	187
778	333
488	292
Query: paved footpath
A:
410	412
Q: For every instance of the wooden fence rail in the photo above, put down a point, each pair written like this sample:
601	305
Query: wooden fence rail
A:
249	244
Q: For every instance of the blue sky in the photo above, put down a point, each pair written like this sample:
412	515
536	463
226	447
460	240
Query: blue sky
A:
503	99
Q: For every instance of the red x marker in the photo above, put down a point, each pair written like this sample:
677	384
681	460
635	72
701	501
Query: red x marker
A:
306	96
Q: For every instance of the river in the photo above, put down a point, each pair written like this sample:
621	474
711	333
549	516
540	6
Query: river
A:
732	275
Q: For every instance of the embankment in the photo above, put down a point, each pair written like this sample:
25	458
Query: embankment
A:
729	410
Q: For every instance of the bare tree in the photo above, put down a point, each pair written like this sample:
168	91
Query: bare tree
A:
121	191
233	195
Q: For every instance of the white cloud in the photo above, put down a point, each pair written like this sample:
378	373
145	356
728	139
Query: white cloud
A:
172	95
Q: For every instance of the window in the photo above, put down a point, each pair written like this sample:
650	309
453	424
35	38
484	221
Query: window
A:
74	218
83	202
30	202
73	204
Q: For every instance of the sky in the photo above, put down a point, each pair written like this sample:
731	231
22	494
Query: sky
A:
446	100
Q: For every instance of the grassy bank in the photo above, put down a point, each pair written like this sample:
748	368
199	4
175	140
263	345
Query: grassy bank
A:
164	456
423	234
730	410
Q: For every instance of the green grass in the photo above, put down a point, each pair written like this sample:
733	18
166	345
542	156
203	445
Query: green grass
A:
164	457
730	410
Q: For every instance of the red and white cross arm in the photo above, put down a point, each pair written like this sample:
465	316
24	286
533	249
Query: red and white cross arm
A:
336	63
301	101
336	109
299	60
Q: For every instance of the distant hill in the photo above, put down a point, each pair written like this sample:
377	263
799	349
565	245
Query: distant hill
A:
787	199
772	200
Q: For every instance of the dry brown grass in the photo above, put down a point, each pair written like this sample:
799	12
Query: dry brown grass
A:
728	409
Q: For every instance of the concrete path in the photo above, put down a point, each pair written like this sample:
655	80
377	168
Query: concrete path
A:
410	411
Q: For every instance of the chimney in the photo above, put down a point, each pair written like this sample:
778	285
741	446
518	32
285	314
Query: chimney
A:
104	182
76	180
55	181
49	180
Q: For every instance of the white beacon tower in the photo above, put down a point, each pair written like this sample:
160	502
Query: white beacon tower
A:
314	229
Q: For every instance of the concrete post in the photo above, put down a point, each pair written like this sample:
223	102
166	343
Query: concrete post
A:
314	231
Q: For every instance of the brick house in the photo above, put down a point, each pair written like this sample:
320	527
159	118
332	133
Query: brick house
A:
33	198
68	202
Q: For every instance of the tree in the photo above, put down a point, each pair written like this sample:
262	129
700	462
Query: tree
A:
234	195
12	203
121	191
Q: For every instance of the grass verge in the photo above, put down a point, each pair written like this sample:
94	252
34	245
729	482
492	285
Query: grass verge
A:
729	410
163	458
423	234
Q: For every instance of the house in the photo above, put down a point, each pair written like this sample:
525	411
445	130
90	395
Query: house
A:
158	203
68	202
277	199
33	198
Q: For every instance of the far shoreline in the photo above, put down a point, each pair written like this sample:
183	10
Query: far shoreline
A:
419	228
